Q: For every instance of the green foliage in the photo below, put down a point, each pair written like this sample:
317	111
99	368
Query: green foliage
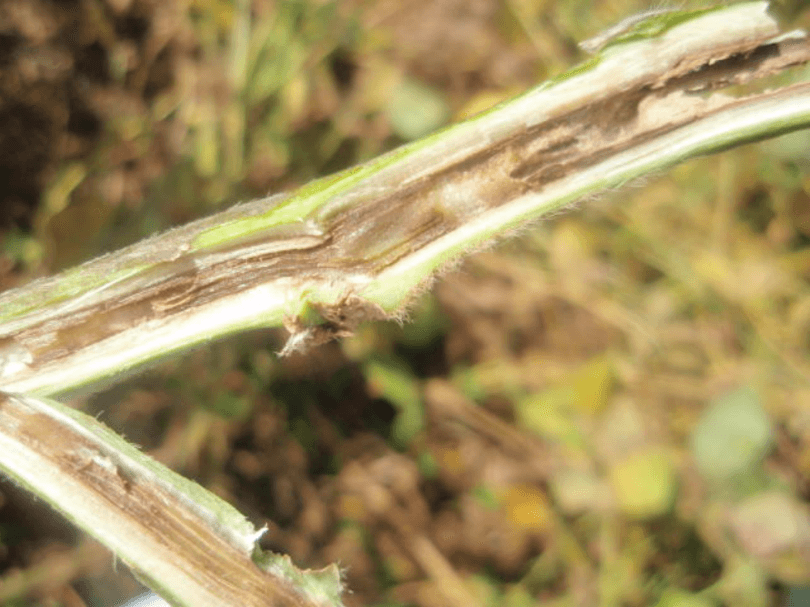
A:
395	383
733	436
416	110
682	598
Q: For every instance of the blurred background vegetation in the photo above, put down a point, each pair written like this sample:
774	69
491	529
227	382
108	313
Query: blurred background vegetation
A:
612	408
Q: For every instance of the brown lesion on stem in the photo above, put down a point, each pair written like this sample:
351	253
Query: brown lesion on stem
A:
107	487
338	320
377	227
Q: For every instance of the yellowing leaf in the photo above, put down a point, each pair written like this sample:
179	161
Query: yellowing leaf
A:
526	507
644	483
593	383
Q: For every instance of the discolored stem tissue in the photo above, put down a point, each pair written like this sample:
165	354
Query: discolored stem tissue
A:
358	245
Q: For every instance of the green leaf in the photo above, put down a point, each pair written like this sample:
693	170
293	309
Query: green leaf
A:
548	414
416	109
681	598
732	437
399	387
